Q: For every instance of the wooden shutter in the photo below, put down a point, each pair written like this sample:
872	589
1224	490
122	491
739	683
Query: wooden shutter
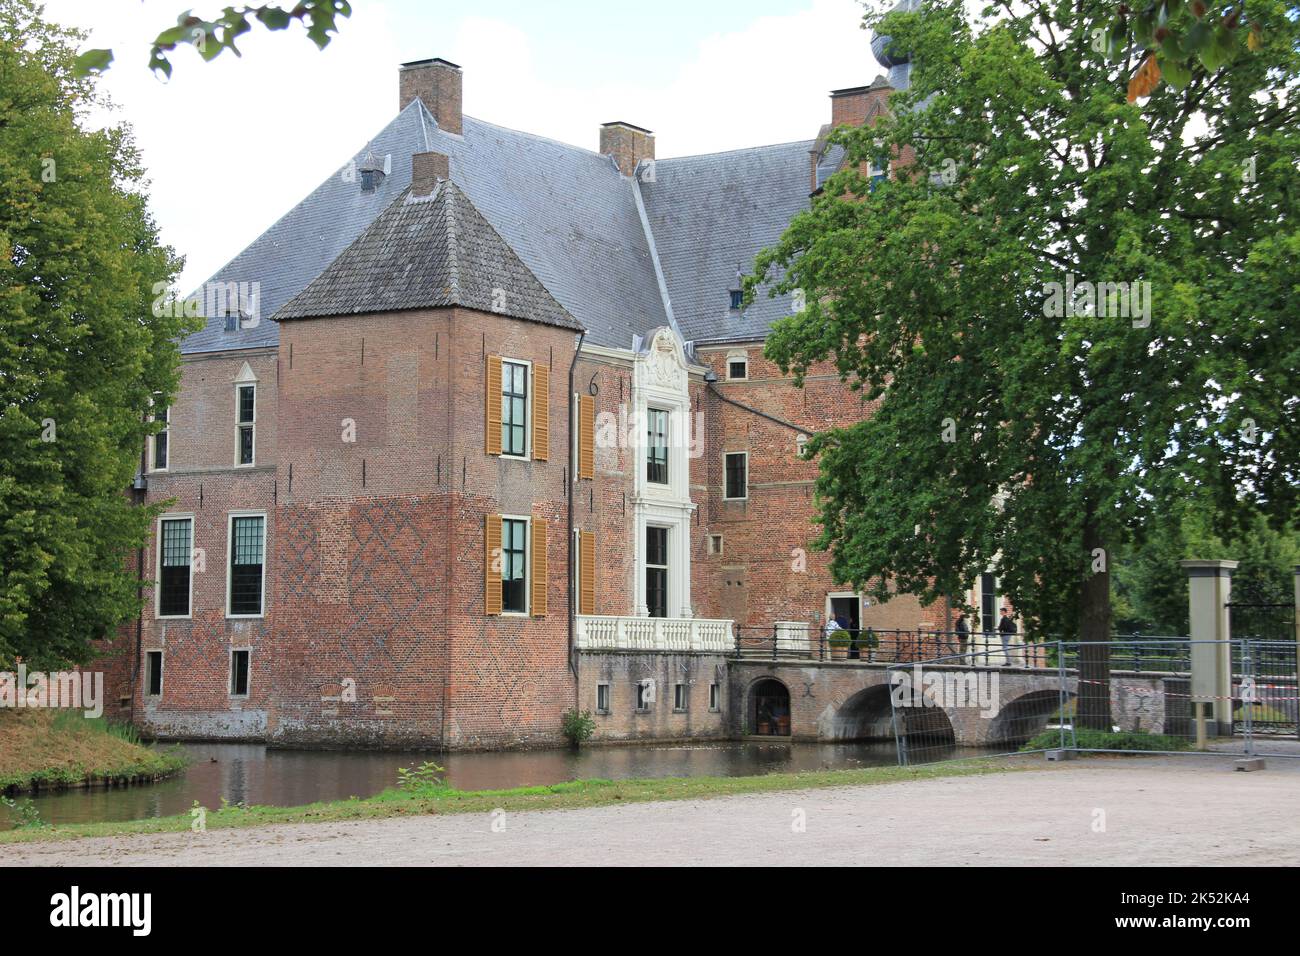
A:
493	428
539	567
586	572
541	413
586	436
492	564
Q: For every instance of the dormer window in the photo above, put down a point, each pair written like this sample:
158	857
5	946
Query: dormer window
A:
737	368
372	170
737	299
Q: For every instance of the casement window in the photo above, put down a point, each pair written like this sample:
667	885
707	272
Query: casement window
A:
715	697
602	698
586	436
800	445
656	571
988	588
518	409
657	446
246	580
158	443
515	579
737	476
737	368
586	572
514	409
239	661
175	560
680	697
153	673
879	170
245	423
715	544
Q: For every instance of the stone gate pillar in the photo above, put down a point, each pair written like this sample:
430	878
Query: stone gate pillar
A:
1209	588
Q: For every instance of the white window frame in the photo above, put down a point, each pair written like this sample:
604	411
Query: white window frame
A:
157	566
830	615
529	398
715	698
528	563
607	708
240	426
153	442
743	358
162	682
725	456
682	701
230	672
670	585
643	704
230	542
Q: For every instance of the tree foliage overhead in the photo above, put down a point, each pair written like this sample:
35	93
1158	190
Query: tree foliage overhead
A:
80	351
211	38
1013	433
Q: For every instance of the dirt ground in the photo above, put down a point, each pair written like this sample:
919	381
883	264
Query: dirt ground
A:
1136	810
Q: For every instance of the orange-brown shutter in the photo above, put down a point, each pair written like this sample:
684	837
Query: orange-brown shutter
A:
493	403
586	436
586	572
492	564
541	412
539	567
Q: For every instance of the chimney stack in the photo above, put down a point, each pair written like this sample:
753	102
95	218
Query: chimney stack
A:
855	106
438	83
628	145
426	170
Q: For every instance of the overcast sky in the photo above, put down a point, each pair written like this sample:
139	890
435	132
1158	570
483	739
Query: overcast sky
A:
232	145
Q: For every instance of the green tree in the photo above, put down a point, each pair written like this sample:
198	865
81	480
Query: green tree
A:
211	38
1024	423
81	351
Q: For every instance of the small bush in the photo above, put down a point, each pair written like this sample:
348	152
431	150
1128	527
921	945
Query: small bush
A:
427	776
1106	740
578	726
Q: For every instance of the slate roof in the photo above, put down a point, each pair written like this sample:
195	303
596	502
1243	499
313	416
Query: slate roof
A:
572	220
426	252
714	213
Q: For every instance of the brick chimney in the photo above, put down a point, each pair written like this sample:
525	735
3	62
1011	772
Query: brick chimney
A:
426	170
628	145
437	83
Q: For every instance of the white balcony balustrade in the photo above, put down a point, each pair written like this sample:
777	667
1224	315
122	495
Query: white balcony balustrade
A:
653	634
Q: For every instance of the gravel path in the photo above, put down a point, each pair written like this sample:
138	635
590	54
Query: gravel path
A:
1186	811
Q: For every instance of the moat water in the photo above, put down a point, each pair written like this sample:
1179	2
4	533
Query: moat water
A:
252	774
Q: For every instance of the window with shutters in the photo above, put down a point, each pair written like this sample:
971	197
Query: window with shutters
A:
493	377
586	437
514	565
586	572
514	408
246	580
657	446
245	423
175	551
656	571
737	476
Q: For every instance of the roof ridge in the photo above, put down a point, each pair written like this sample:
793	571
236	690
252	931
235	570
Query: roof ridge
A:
740	149
448	192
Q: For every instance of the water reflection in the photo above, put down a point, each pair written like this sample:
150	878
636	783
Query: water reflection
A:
250	773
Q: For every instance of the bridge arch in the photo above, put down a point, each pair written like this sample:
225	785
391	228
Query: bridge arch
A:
1023	718
767	708
869	715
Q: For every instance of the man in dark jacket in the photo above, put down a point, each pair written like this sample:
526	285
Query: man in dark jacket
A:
1007	631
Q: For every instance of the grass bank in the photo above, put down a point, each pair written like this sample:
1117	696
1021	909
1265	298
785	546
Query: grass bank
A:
432	799
53	749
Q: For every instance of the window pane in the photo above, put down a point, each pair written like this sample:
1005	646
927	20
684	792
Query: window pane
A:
246	565
155	676
174	583
736	486
657	446
160	450
514	408
246	444
514	534
239	673
246	403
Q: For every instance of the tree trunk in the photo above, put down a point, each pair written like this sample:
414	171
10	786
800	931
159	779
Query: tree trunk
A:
1093	711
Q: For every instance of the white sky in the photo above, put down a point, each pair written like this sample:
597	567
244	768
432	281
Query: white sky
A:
232	145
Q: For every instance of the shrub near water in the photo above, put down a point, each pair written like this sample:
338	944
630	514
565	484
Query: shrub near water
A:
62	748
1131	741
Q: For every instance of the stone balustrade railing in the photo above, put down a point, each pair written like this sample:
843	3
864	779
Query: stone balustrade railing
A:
653	634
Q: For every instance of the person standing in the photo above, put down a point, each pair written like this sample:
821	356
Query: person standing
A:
963	634
1007	631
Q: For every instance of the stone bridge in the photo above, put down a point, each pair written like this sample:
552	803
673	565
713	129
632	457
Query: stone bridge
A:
990	706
